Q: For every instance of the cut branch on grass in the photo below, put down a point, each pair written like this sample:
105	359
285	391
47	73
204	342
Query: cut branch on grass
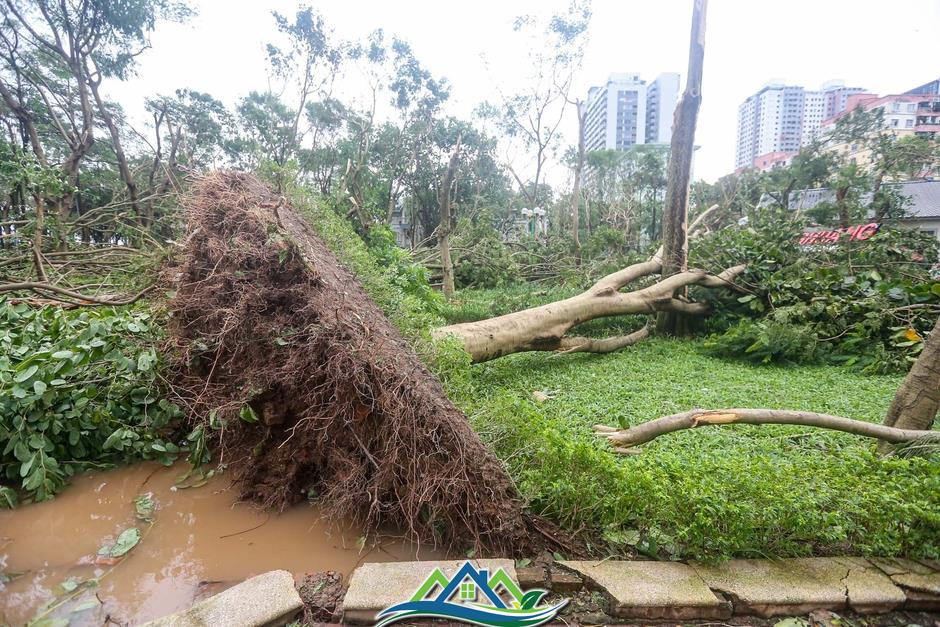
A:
623	439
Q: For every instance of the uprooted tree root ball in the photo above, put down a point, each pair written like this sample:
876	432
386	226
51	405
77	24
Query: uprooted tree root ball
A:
265	317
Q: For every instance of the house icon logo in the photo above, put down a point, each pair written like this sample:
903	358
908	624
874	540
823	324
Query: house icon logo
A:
473	596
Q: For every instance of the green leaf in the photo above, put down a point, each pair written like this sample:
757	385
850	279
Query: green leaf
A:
62	354
124	543
144	507
746	299
248	414
71	584
144	361
935	288
87	605
39	387
26	374
19	392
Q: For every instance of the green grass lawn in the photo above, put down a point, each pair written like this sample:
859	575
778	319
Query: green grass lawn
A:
713	492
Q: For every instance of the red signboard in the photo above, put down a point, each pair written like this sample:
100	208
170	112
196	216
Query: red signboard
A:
859	232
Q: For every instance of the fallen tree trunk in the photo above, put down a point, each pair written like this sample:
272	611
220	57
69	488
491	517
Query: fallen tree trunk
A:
544	328
307	389
623	439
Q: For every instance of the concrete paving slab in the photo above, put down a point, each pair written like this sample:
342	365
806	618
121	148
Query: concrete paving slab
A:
869	590
652	590
268	599
797	586
373	587
900	566
929	582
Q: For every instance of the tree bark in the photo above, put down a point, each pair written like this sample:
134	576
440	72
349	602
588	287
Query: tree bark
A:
544	328
576	190
676	205
123	169
623	439
445	227
917	401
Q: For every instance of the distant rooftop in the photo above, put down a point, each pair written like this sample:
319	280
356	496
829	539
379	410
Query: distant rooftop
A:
923	198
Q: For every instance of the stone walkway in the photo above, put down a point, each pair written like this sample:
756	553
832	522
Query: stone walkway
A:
627	591
677	591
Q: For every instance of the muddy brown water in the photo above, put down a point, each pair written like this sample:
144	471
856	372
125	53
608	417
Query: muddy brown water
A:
201	541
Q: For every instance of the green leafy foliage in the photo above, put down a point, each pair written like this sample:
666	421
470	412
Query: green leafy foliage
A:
78	389
861	303
713	492
127	540
482	260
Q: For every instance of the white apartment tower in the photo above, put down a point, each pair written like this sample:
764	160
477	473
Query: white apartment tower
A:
779	119
626	111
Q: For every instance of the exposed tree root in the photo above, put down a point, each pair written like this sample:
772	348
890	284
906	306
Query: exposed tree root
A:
266	318
623	439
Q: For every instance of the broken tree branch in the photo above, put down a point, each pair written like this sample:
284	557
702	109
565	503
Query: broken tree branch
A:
623	439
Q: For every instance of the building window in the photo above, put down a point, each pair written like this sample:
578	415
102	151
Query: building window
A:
468	591
909	123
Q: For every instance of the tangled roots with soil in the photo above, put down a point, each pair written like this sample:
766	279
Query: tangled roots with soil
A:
265	317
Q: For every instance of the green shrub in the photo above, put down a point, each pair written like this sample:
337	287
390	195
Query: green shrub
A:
78	389
867	303
482	260
766	341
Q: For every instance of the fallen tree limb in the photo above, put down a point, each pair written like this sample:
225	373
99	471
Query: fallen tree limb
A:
623	439
543	328
43	289
606	345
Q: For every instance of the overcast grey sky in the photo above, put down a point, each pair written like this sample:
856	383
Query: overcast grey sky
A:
886	47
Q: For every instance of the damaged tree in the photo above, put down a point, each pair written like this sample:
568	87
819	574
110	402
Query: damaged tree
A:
309	390
545	328
676	205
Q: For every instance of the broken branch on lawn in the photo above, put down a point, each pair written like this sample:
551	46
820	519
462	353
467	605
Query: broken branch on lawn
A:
623	439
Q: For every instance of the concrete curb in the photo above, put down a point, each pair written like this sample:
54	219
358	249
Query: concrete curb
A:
695	591
268	599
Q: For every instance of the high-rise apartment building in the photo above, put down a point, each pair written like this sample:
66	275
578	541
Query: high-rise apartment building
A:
776	121
626	111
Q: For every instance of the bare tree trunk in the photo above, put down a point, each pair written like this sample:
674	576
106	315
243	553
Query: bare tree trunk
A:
444	228
917	401
842	204
544	328
676	206
576	190
126	176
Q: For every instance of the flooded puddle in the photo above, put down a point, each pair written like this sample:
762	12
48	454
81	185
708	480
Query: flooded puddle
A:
200	542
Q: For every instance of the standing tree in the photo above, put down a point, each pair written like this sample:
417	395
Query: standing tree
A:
534	114
445	228
676	209
581	110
